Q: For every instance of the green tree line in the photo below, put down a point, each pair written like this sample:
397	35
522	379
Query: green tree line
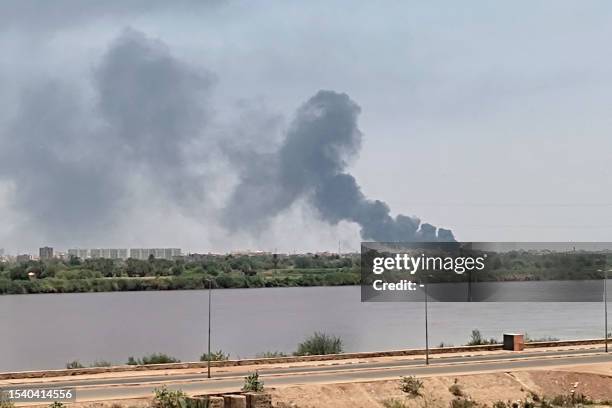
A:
218	271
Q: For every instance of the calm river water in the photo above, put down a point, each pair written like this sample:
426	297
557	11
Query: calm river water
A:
47	331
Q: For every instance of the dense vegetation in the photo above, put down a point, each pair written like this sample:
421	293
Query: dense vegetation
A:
531	265
320	344
193	272
265	270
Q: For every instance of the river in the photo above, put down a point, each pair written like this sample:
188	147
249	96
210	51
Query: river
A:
47	331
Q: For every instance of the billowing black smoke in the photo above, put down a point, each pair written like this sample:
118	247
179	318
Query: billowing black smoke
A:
75	158
311	164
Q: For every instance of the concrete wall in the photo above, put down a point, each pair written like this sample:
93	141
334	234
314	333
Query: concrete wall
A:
276	360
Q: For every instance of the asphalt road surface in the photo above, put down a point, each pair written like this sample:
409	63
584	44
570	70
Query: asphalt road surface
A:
224	381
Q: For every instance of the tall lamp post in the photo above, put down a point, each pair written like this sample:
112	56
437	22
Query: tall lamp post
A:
605	306
426	329
424	284
209	315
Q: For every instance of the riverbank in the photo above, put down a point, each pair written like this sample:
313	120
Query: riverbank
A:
295	278
195	271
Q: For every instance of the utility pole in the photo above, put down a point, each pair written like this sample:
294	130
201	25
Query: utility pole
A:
426	329
209	315
605	307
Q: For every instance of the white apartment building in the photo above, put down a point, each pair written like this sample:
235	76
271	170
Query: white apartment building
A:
124	253
107	253
158	253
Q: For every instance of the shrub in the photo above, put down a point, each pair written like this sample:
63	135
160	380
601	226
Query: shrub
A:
164	398
154	358
271	354
56	404
252	383
215	356
318	344
456	390
74	364
394	403
529	339
476	339
101	363
560	400
545	404
411	385
535	397
462	403
5	402
571	400
499	404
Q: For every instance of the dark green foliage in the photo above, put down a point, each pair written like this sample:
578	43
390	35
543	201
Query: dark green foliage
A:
5	402
411	385
101	363
74	364
154	358
271	354
319	344
165	398
215	356
104	275
252	383
476	339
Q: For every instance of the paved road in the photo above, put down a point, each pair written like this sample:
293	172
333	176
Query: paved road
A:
142	386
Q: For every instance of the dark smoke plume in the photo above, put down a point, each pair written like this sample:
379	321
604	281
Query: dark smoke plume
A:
74	161
311	164
71	161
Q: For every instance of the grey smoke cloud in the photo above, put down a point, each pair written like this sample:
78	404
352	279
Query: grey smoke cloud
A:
311	163
52	157
72	160
154	107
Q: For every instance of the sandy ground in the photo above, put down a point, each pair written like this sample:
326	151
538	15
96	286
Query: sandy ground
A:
483	388
593	381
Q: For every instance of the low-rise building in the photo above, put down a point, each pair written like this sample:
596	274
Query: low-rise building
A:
23	258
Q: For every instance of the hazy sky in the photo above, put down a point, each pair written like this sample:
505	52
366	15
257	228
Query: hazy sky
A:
490	119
